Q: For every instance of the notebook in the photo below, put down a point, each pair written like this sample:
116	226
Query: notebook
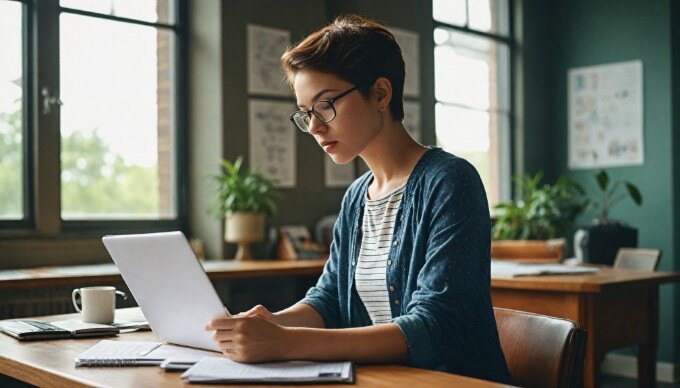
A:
221	370
120	353
126	353
25	329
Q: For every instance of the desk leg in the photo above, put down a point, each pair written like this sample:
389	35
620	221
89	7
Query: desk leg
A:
591	322
592	376
646	366
647	351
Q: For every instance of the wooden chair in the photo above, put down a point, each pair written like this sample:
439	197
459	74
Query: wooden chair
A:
638	259
541	351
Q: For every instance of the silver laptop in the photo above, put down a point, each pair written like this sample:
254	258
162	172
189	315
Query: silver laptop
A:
169	284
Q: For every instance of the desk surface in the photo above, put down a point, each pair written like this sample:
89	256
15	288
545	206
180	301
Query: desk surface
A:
108	273
607	279
51	363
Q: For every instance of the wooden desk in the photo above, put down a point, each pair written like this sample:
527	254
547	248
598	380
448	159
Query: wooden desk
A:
51	363
617	308
108	273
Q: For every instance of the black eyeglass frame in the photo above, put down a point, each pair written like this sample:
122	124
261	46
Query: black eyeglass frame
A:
330	102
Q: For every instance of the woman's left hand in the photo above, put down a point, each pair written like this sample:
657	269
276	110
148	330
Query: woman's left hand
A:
249	339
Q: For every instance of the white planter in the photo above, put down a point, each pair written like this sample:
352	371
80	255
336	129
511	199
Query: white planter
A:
244	228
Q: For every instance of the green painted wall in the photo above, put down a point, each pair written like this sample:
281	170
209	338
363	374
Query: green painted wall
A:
582	33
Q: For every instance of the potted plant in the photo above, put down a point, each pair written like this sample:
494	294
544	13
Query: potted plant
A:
535	224
244	199
599	243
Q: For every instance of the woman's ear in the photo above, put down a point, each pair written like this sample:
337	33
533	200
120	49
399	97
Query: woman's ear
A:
382	90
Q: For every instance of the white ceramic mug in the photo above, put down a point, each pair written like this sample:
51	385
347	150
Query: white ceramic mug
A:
99	303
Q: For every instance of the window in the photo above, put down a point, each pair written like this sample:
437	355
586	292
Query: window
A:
105	121
12	206
472	54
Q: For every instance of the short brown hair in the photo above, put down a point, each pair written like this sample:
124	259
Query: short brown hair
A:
357	50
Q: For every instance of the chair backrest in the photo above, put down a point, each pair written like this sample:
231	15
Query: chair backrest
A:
541	351
637	259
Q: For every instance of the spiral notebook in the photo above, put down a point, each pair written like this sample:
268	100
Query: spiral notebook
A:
120	353
127	353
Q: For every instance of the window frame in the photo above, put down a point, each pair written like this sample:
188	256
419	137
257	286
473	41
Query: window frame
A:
506	143
42	135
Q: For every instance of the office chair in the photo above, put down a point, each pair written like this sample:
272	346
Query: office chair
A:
638	259
541	351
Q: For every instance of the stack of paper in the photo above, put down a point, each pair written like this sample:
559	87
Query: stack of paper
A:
223	370
181	357
506	269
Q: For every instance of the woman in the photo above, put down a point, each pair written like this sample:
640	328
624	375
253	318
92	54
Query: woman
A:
407	280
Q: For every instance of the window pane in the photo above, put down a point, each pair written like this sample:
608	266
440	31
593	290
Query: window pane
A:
11	111
479	137
117	124
160	11
471	71
489	16
449	11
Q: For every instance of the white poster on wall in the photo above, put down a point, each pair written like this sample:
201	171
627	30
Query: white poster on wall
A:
338	175
412	119
272	141
606	116
410	49
265	47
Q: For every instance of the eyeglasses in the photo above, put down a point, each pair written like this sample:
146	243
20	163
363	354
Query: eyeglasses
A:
323	110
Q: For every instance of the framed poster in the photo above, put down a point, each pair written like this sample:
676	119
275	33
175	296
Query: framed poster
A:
605	116
272	141
265	47
410	48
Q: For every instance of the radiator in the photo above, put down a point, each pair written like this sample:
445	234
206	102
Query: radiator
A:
42	301
32	302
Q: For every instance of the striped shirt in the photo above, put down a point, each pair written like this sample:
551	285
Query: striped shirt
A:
370	275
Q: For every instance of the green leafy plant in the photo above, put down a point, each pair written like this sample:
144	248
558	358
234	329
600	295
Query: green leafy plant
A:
542	211
243	191
608	196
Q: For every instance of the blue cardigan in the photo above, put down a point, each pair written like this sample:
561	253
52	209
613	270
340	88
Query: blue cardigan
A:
439	267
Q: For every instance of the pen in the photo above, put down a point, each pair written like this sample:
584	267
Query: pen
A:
151	350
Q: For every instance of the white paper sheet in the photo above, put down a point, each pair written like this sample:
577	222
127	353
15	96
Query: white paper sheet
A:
272	140
212	369
504	269
265	47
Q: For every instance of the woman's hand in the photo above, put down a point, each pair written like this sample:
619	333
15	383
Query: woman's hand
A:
259	311
250	338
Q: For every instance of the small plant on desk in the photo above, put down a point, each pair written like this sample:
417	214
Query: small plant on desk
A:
610	195
244	199
541	212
